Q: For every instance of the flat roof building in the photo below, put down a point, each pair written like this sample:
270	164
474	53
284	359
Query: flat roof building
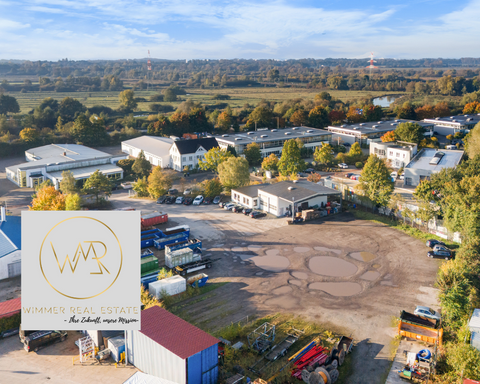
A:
453	124
10	245
156	149
247	196
49	161
272	140
364	132
398	154
429	161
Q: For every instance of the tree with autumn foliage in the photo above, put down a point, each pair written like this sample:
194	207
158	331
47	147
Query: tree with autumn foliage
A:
425	112
270	163
355	114
48	199
388	137
29	135
224	121
318	117
299	117
473	107
336	116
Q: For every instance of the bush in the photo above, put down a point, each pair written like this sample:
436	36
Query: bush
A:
7	323
219	96
160	108
156	98
359	164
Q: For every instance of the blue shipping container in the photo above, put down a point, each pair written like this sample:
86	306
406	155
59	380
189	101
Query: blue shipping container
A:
202	367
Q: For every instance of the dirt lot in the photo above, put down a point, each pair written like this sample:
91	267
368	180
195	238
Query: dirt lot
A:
370	272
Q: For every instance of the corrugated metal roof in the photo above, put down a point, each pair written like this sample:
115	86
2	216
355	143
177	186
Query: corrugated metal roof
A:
469	381
475	320
250	190
173	333
158	146
10	235
10	307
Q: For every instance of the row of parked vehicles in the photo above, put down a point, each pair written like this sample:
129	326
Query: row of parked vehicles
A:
188	200
438	250
241	209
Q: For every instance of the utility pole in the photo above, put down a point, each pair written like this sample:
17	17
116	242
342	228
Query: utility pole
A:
278	122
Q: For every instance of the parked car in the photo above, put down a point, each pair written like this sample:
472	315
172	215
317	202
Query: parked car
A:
402	176
179	200
432	242
346	144
442	247
309	170
257	214
228	206
343	165
426	312
161	199
222	204
394	175
217	199
440	254
170	200
247	211
355	176
238	209
41	339
198	200
172	191
187	191
349	174
188	200
207	200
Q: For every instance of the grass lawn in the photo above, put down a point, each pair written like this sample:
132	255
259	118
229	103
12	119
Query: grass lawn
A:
239	96
414	232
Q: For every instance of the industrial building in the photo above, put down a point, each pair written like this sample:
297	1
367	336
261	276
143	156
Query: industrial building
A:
363	133
453	124
170	348
49	161
247	196
272	140
156	149
429	161
10	245
166	152
398	154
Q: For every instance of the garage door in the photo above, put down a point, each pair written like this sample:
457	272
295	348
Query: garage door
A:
14	269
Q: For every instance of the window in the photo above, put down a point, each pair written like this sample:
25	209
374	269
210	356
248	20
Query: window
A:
190	158
404	155
184	159
381	152
247	201
390	153
398	154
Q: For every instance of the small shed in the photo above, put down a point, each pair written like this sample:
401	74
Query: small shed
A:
474	326
170	348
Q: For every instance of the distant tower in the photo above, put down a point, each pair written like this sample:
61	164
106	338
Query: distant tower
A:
149	67
371	61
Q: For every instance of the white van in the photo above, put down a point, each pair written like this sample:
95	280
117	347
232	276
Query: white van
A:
394	175
451	146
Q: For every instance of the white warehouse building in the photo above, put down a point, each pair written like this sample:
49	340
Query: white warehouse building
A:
272	140
49	161
453	124
10	245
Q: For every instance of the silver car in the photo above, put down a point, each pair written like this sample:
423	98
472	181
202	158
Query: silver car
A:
426	312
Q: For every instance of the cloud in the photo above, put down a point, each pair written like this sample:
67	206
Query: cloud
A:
12	25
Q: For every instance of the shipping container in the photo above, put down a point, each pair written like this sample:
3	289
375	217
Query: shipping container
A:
116	346
153	218
170	286
181	257
173	230
154	231
149	263
163	242
155	352
192	244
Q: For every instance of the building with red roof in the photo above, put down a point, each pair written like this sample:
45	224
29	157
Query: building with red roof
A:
173	349
10	307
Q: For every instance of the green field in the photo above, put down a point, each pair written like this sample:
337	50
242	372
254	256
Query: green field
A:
239	96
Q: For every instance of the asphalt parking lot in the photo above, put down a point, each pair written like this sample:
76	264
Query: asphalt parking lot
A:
355	275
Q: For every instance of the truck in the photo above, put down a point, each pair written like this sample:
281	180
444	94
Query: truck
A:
185	260
192	244
420	332
172	236
153	218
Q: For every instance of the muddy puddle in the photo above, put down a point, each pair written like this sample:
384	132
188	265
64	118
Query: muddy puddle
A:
337	289
254	248
324	249
331	266
370	275
285	302
301	249
282	290
271	263
363	256
272	252
300	275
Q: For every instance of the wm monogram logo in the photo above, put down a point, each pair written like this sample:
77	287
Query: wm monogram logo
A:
79	254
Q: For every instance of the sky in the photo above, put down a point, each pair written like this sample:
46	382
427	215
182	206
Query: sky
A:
278	29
